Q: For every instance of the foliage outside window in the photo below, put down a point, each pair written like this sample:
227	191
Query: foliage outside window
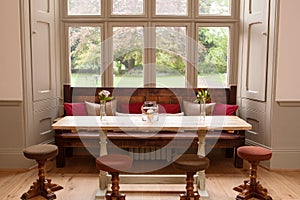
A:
84	7
128	45
160	45
85	55
213	56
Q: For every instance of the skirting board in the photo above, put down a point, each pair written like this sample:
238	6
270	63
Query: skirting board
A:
282	159
285	159
15	161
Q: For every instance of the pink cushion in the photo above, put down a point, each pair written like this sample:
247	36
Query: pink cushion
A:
225	109
75	109
133	108
169	108
254	153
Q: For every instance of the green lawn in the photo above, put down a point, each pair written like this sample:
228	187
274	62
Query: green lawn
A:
90	80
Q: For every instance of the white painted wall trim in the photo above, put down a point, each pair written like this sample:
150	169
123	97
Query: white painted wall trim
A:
282	159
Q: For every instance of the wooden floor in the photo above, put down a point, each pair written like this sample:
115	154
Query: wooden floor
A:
80	180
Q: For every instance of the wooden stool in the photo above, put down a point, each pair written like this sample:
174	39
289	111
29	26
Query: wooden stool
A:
113	164
252	188
42	187
191	164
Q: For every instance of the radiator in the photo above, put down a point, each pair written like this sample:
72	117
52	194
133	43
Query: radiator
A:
151	153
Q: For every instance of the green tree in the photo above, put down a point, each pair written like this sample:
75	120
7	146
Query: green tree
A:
128	47
171	49
85	48
213	54
220	7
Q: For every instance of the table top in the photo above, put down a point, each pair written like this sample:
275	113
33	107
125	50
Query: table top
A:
165	123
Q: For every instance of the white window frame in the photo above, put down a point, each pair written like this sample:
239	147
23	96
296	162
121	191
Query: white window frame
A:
106	21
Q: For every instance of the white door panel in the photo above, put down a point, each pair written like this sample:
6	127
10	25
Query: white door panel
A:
43	52
255	49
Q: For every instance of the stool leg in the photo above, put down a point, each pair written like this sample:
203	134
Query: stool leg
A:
115	188
42	187
189	184
190	194
252	188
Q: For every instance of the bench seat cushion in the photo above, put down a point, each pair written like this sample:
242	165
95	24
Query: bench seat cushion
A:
225	109
75	109
93	109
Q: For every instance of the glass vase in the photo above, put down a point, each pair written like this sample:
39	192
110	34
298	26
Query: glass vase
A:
102	110
202	109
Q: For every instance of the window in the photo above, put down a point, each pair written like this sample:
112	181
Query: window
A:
128	7
212	56
128	45
150	43
85	55
171	7
214	7
171	46
84	7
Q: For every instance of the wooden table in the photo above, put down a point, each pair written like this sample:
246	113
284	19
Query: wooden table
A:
134	123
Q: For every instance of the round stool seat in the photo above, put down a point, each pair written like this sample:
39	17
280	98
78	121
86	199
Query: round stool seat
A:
41	151
191	163
254	153
113	162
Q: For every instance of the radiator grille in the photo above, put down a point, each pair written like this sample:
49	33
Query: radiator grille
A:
151	153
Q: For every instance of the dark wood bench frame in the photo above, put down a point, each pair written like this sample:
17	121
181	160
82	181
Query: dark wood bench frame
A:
66	141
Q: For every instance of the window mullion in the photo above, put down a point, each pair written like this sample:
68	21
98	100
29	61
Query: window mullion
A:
107	68
191	68
149	52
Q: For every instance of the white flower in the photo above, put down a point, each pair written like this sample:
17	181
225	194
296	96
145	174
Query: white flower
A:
104	93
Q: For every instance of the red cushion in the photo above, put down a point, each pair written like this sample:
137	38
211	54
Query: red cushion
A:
254	153
169	108
132	108
225	109
75	109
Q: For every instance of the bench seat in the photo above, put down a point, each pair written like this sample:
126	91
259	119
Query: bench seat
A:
67	140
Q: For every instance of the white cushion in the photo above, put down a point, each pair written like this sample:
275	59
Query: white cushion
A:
193	109
93	109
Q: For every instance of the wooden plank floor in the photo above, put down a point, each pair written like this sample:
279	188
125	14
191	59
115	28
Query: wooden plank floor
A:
80	180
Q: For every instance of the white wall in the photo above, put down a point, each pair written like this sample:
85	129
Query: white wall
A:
285	127
288	60
10	51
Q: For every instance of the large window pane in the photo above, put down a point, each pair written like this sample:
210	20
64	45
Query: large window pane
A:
214	7
84	7
85	56
128	7
170	56
128	45
213	54
171	7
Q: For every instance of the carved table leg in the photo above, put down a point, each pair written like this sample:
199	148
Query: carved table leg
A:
201	174
103	183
